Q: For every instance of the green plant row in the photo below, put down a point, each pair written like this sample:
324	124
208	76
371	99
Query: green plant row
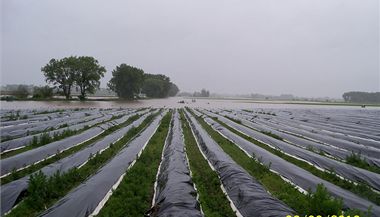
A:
42	140
35	167
43	192
211	197
360	189
133	197
358	161
45	138
354	159
301	203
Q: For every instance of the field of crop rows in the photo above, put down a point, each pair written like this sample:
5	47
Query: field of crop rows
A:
190	162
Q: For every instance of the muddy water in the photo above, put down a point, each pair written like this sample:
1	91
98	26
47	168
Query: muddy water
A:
173	102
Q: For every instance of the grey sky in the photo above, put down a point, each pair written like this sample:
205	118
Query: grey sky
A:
301	47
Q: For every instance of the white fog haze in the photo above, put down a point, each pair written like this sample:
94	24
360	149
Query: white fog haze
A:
305	48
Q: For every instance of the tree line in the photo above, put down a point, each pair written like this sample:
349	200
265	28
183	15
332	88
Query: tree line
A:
362	97
84	73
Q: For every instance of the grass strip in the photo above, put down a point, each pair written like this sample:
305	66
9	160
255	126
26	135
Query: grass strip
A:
133	197
284	191
44	191
211	197
35	167
361	189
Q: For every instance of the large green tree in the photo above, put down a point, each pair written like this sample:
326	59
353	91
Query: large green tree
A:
173	89
126	81
61	74
83	72
154	88
87	75
158	86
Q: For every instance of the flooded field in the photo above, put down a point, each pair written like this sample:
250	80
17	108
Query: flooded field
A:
103	157
173	102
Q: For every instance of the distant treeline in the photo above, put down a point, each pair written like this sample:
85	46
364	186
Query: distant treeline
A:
22	91
361	97
202	93
128	82
83	74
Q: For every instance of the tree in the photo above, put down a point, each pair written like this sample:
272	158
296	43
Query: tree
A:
87	75
158	86
21	92
42	92
361	97
61	73
173	89
84	72
126	81
154	88
203	93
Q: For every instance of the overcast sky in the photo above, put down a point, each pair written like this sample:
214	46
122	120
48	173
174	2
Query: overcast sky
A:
301	47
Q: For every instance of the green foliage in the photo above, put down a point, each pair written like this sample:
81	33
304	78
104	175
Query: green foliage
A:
158	86
133	196
42	140
154	88
126	81
61	74
233	119
320	202
203	93
21	92
44	92
355	159
88	74
272	182
359	161
361	97
173	89
37	190
48	190
14	115
360	189
83	71
211	196
35	167
269	133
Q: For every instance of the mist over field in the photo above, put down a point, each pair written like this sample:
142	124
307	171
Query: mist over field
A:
304	48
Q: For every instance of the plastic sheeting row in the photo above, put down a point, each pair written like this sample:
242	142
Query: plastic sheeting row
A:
89	196
10	192
35	155
347	171
24	141
299	177
36	127
333	151
246	193
174	192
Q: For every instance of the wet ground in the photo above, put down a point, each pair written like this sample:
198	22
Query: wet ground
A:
173	102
